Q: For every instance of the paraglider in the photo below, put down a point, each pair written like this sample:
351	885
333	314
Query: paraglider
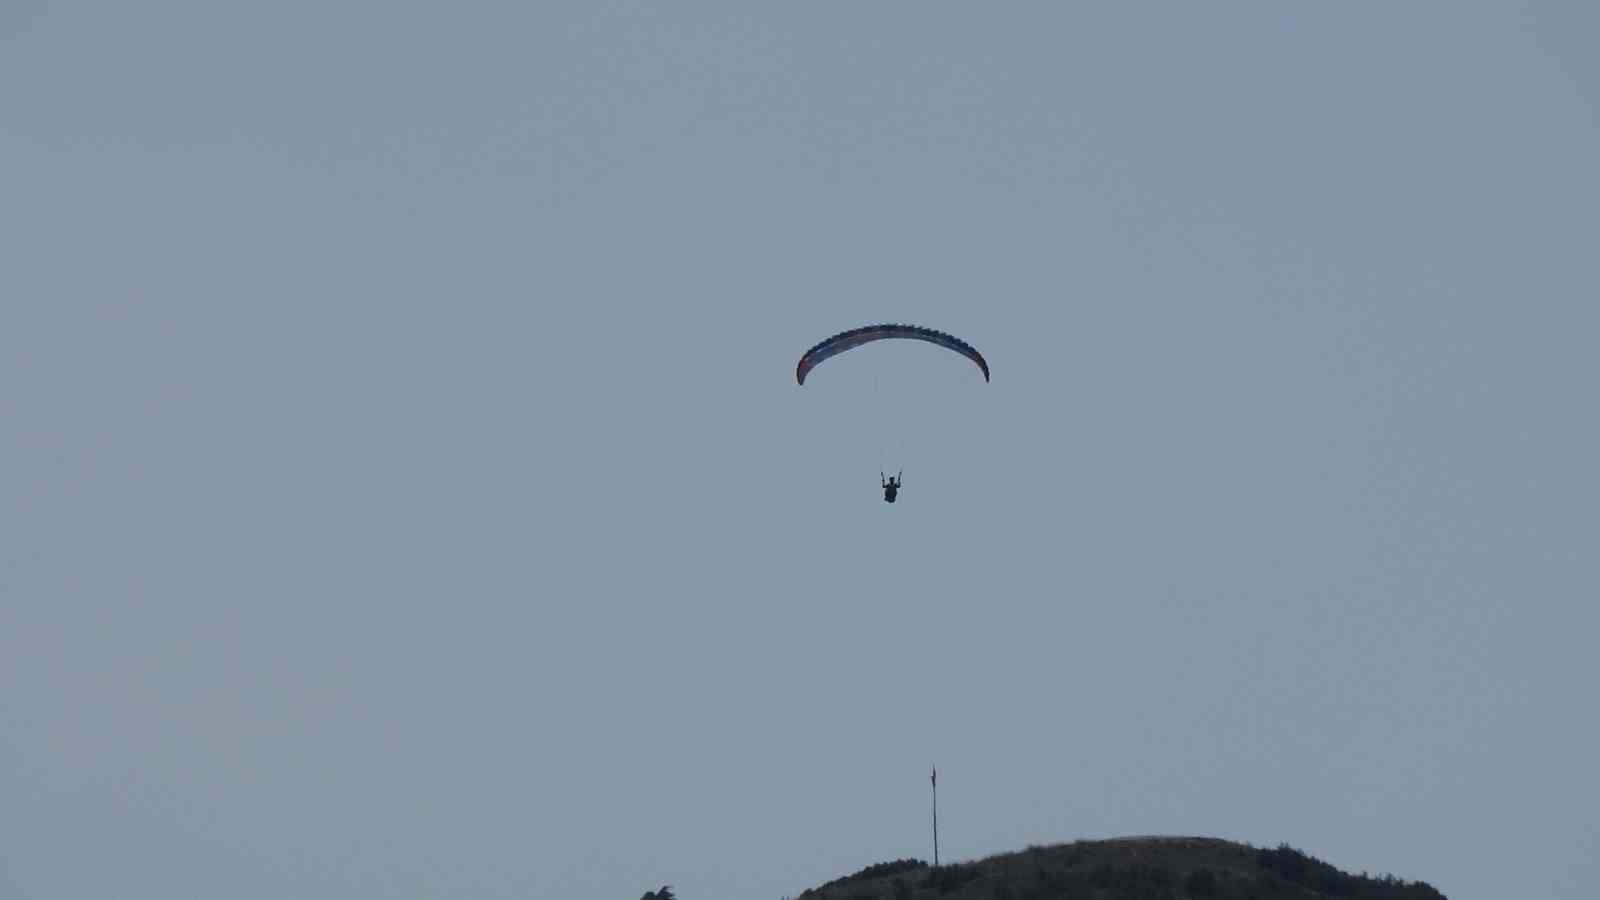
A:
856	337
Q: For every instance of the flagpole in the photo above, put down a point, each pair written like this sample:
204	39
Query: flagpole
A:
934	778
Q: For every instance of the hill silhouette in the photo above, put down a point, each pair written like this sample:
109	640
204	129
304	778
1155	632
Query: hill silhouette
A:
1133	868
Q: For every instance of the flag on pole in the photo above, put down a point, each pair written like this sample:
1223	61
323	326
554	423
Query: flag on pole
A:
934	778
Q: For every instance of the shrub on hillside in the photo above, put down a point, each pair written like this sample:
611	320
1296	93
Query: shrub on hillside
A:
947	878
1293	866
876	870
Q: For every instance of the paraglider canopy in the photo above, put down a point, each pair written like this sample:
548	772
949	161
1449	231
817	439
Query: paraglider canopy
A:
855	337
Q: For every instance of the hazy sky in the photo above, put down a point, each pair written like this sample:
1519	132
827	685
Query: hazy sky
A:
404	491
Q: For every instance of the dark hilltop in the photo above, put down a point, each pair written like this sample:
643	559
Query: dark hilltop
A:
1134	868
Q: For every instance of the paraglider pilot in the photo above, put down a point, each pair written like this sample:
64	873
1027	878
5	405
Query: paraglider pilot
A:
891	487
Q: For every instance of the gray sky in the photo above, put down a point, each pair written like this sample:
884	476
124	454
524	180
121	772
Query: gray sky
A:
404	491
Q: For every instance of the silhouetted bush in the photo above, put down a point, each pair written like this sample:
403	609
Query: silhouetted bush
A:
1293	866
947	878
1286	862
902	890
876	870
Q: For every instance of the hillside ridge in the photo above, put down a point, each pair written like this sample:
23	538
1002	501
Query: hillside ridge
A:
1139	867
